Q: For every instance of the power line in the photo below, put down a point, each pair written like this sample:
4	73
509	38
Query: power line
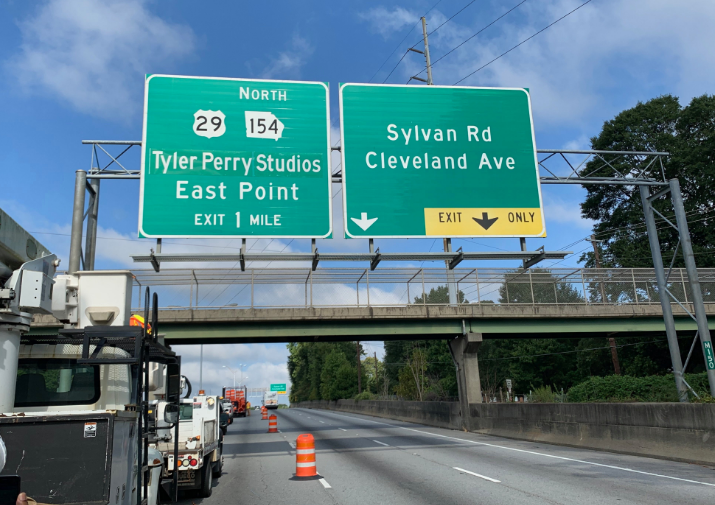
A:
398	45
137	241
244	287
546	353
448	20
234	266
472	36
522	42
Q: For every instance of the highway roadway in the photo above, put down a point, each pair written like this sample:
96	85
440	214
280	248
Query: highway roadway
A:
369	460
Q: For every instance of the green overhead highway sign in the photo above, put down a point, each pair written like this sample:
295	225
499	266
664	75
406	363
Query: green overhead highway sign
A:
235	158
281	388
439	161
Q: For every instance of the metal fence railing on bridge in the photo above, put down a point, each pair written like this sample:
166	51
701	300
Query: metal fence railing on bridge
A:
391	287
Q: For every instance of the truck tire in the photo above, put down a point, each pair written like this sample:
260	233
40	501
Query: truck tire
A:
206	481
218	465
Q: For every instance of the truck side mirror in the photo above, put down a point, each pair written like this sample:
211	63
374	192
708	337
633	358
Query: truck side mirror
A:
171	413
173	387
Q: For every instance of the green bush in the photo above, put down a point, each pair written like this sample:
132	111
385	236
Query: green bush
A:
624	388
365	395
543	394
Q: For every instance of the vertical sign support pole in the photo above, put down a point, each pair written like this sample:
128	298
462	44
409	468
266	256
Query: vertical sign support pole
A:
80	186
691	269
663	294
90	248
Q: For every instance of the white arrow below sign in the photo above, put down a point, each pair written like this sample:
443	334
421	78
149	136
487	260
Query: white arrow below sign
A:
364	222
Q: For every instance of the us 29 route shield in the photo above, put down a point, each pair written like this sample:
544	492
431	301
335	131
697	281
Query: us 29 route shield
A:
439	161
235	158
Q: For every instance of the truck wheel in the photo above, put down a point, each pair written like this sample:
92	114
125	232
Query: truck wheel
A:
206	481
218	466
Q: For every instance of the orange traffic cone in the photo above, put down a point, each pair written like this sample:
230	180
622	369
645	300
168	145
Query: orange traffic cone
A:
273	424
305	456
265	414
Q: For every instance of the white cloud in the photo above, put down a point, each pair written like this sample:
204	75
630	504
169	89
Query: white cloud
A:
265	364
591	64
91	54
387	21
565	212
288	63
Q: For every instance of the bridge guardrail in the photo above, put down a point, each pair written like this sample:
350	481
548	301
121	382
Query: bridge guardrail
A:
386	287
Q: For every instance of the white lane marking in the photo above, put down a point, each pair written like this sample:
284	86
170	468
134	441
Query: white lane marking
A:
291	444
341	429
381	443
361	419
325	484
563	458
279	431
322	422
476	474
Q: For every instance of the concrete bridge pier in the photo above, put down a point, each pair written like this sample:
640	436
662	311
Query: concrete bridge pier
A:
464	352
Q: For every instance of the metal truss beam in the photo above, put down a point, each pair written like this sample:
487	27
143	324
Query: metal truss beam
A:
96	172
370	257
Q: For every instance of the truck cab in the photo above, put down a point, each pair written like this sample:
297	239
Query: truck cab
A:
75	402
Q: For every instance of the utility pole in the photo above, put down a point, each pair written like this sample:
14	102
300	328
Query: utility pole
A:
357	346
614	355
597	258
611	341
376	372
427	59
446	242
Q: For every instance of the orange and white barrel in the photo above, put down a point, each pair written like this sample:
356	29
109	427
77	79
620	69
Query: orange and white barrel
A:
273	424
305	456
265	414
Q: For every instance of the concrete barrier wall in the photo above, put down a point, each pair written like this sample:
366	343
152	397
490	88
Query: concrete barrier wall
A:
679	432
440	414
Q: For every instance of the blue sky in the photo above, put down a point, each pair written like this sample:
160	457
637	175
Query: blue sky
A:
73	70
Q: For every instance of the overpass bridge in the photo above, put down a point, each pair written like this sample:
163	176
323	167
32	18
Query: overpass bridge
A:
289	305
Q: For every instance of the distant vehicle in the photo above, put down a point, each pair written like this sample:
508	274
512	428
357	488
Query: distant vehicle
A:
226	415
238	397
270	399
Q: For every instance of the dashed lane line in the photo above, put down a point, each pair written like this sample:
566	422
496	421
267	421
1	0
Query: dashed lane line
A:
476	474
381	443
342	429
524	451
564	458
325	484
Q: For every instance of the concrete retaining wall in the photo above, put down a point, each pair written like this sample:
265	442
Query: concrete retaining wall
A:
679	432
440	414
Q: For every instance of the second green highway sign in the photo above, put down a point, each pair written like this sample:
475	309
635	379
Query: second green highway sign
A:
235	158
438	161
